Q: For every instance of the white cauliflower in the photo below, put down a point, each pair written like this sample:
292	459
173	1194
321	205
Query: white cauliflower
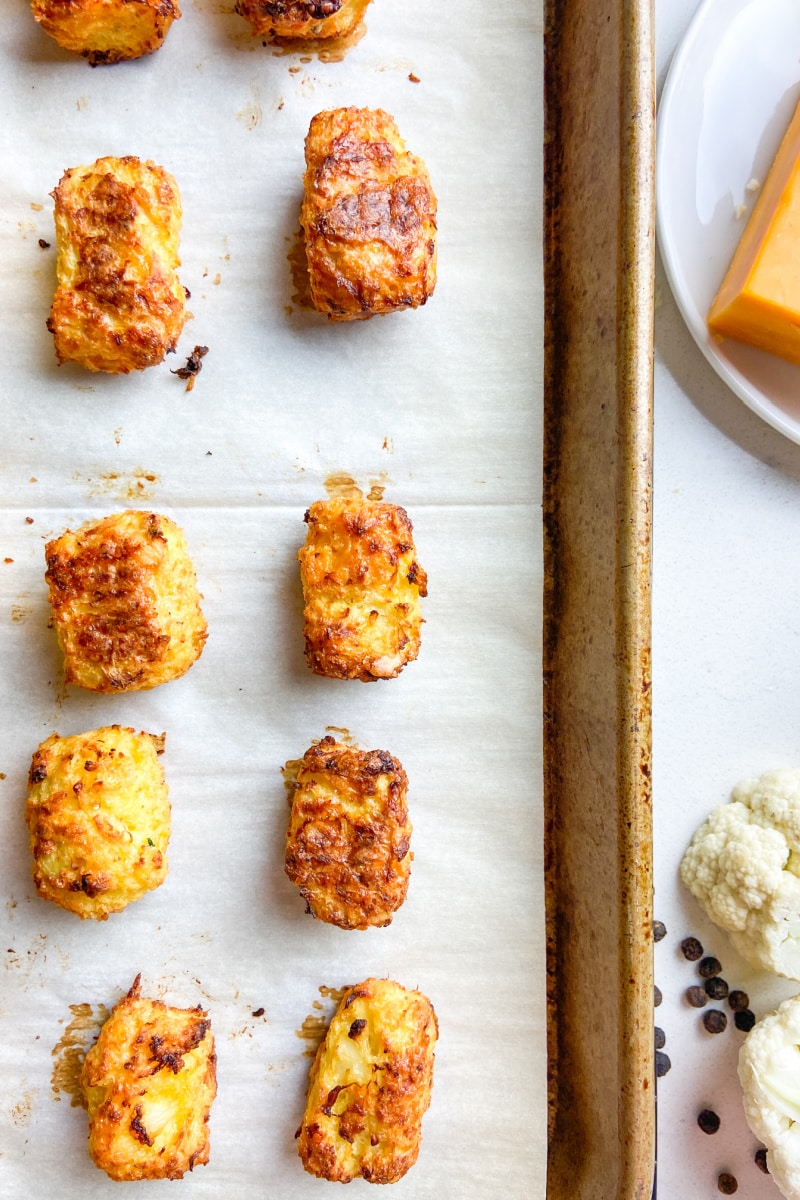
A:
769	1072
743	865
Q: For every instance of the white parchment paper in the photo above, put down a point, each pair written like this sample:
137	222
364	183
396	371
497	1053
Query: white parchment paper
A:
441	408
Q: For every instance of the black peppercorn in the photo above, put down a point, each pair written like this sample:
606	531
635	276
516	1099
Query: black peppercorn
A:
727	1184
691	949
709	966
660	1037
663	1063
708	1121
715	1021
659	931
696	996
760	1159
738	1000
657	997
744	1020
716	987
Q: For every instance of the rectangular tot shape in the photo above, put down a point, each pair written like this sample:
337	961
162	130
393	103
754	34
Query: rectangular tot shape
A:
149	1082
119	305
370	1085
368	217
348	841
125	603
361	586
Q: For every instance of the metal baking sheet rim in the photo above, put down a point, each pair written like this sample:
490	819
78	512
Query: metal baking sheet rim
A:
599	245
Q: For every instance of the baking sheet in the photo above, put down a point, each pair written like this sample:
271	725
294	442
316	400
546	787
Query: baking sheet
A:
599	143
726	648
441	409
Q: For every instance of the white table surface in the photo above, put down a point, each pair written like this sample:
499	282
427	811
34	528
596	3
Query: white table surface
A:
726	643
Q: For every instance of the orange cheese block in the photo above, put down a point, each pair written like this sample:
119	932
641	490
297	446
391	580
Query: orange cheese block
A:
759	300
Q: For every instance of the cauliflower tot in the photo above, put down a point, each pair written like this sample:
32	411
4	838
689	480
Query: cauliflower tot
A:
743	866
370	1086
347	846
149	1082
361	586
303	18
125	602
99	818
106	31
119	305
368	217
769	1072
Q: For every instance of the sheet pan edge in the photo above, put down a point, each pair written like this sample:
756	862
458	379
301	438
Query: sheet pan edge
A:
599	141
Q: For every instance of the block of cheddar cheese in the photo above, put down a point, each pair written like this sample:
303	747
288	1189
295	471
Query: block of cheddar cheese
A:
759	300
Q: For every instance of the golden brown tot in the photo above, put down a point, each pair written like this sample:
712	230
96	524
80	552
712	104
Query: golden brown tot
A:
303	18
119	305
368	217
107	31
126	608
149	1082
370	1085
361	587
98	815
347	846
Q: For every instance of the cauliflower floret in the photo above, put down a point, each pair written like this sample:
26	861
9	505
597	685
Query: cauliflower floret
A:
769	1072
743	865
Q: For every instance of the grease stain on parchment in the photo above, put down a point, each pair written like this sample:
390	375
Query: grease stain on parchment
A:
71	1049
22	1111
342	734
298	265
378	486
315	1026
28	961
341	486
137	484
252	113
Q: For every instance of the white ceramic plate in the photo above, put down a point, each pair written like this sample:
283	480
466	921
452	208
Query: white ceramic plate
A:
732	87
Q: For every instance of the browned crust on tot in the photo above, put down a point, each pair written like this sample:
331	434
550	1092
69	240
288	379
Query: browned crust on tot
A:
347	846
370	1086
107	31
149	1083
119	305
368	217
98	815
312	19
362	586
125	602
